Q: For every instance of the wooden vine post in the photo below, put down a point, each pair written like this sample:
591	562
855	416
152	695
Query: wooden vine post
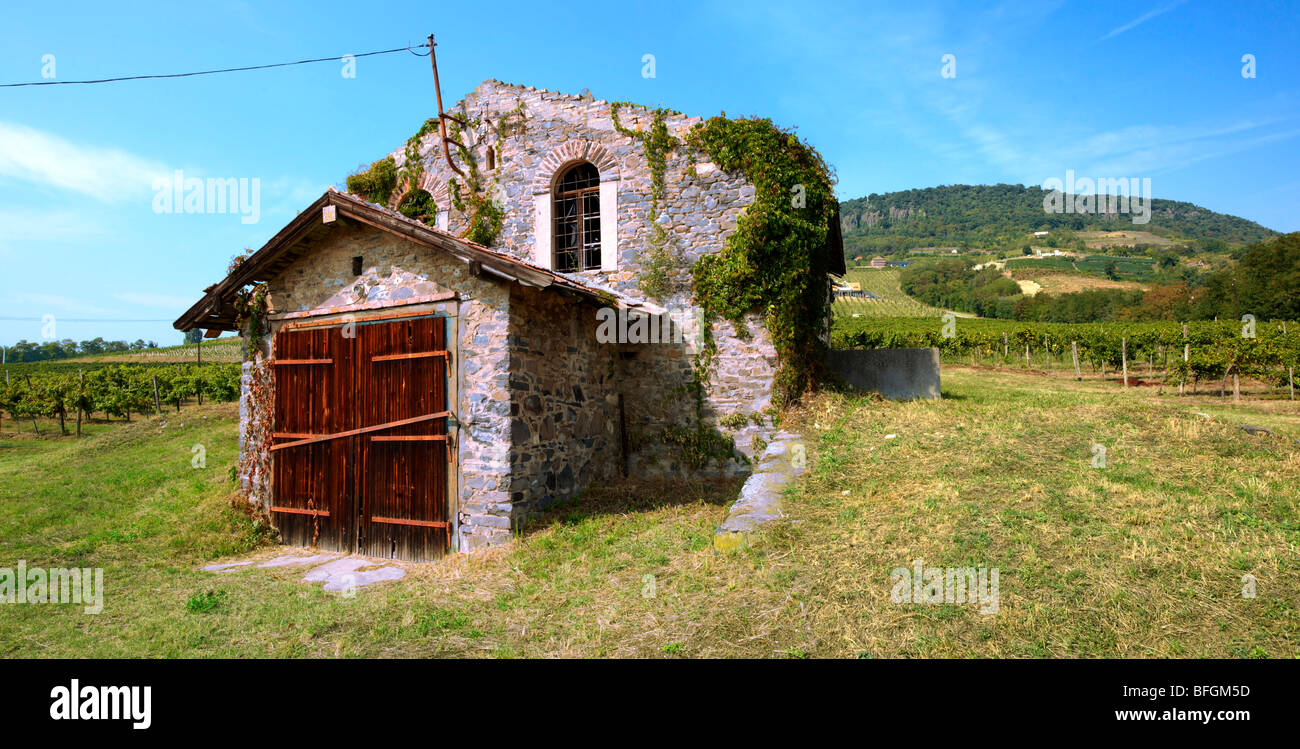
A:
1123	357
157	404
32	390
1074	350
81	394
1187	352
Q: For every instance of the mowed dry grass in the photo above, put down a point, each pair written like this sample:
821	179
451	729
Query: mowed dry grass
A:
1144	557
628	571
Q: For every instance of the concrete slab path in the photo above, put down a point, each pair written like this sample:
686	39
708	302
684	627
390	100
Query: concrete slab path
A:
760	497
339	573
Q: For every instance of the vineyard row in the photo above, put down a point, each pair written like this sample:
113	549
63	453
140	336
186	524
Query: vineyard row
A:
1187	352
115	390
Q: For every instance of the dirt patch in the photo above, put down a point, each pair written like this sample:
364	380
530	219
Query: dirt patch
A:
1052	281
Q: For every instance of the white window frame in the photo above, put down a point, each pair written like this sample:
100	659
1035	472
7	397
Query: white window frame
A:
544	231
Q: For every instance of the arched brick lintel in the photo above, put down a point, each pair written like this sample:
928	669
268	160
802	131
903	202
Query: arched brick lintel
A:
568	153
437	188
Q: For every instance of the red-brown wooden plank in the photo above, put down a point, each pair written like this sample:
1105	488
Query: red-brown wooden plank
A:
286	362
403	521
403	357
361	430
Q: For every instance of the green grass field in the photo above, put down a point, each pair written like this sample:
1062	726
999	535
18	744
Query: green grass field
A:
892	302
1142	558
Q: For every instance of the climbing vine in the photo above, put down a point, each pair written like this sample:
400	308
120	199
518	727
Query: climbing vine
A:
486	216
250	309
656	144
413	164
485	220
418	204
254	465
655	278
250	316
511	123
776	262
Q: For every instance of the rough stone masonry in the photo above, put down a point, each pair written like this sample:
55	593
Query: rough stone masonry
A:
545	408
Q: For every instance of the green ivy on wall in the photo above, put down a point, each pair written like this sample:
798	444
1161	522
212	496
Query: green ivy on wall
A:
655	279
251	309
377	183
418	204
776	262
251	317
656	143
413	166
485	215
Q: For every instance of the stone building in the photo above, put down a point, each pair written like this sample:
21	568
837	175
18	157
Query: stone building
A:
560	368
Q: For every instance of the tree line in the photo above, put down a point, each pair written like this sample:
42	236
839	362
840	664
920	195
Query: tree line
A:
1265	282
28	351
1002	215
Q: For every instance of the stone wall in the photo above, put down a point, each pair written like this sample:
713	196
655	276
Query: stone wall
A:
656	379
536	394
531	132
700	205
253	470
563	400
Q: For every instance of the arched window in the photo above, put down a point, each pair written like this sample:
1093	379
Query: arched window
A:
577	219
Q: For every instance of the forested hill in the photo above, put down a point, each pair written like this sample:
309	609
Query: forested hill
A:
1001	216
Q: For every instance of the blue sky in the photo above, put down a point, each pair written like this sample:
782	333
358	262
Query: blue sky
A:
1146	89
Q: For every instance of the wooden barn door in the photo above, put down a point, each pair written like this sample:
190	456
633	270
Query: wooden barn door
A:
311	482
402	379
361	458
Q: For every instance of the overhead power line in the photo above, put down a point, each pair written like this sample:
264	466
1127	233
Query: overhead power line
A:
223	70
74	319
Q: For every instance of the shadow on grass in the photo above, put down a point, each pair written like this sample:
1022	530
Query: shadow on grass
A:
625	496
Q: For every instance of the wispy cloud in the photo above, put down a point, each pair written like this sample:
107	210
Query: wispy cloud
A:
43	228
43	304
1139	150
106	174
1142	19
